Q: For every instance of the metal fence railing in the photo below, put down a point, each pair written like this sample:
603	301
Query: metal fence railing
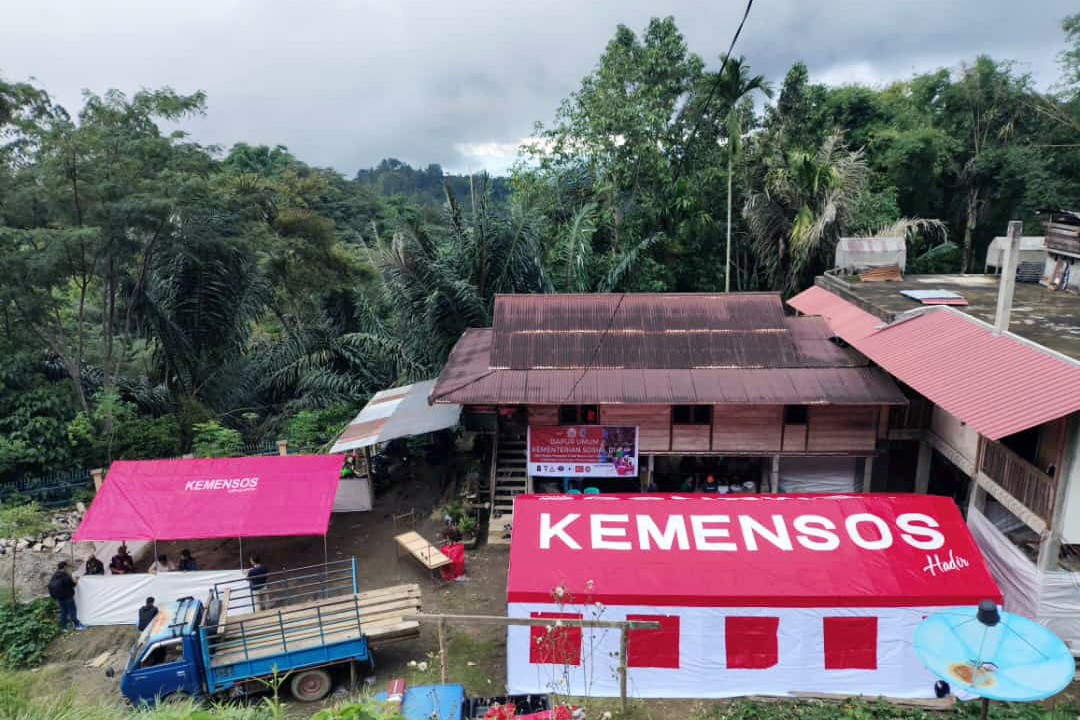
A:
289	587
52	490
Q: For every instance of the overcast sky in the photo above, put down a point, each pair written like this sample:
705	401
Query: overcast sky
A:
345	83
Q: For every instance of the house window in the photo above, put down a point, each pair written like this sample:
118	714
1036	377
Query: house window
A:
795	414
750	642
654	648
579	414
550	645
691	414
850	643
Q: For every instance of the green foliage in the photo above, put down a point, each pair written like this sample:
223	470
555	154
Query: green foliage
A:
212	439
310	430
26	629
33	415
357	710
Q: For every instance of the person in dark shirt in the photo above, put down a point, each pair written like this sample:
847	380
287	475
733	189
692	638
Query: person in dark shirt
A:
256	575
187	563
147	613
62	590
94	566
122	563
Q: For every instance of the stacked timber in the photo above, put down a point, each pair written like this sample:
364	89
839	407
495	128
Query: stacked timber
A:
381	612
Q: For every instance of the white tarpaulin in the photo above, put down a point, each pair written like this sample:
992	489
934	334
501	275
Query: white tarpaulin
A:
353	495
116	599
397	412
701	664
1032	249
1050	598
817	474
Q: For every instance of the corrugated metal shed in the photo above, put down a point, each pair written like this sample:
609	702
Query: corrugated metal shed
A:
397	412
995	383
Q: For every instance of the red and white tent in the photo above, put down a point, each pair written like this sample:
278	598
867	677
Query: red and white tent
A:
755	594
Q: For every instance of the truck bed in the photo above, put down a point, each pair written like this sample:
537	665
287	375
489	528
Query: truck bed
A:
279	631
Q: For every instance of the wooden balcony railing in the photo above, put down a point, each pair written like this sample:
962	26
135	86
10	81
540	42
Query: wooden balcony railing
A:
913	416
1025	482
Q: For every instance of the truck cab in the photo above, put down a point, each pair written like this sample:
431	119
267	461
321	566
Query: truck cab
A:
166	661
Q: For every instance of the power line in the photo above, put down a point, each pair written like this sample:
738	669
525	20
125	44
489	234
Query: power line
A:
716	83
596	350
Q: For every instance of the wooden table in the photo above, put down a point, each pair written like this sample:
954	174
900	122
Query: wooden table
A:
425	553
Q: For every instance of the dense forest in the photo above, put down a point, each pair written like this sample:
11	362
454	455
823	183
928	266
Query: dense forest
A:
159	297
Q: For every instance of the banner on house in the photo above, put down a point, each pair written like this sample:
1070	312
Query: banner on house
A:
583	451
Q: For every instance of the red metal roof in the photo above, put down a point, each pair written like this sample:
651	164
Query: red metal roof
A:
995	383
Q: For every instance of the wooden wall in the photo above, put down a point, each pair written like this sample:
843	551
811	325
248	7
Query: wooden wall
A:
653	421
543	414
691	438
741	429
744	428
842	427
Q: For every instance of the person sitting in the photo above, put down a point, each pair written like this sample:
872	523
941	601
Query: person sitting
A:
710	485
147	613
94	566
122	563
187	563
161	565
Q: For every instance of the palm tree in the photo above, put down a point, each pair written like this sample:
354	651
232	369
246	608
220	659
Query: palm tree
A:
734	85
798	207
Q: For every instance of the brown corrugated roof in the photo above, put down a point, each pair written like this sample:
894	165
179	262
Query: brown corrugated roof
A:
643	331
829	374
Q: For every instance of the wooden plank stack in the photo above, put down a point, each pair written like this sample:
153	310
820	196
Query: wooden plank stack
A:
381	612
884	272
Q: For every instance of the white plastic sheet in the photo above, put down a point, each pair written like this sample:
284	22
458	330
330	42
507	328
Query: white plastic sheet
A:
703	671
116	599
1050	598
817	474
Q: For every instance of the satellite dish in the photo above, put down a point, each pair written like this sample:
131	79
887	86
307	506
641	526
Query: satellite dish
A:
994	654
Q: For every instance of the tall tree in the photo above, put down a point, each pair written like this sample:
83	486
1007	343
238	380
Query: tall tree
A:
735	84
798	206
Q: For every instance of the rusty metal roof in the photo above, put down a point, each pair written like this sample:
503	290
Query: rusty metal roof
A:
469	378
651	331
997	384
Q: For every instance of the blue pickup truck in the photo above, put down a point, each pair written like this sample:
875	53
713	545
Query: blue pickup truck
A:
193	649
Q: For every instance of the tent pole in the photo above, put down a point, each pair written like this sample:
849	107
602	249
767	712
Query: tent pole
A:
241	540
155	551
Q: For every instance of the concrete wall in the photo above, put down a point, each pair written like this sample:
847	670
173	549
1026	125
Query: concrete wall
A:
961	437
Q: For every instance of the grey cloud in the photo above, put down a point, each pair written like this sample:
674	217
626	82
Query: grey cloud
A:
345	84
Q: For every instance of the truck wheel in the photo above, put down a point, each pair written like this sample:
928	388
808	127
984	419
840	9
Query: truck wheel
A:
310	685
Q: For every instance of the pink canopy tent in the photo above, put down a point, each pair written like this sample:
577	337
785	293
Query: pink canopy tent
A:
213	498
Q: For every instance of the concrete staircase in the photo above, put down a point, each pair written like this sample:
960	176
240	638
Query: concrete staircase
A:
509	478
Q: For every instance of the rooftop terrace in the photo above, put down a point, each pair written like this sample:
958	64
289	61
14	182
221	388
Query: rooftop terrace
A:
1050	318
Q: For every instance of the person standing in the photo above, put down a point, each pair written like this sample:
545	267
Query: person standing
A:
94	566
147	613
62	590
256	575
187	563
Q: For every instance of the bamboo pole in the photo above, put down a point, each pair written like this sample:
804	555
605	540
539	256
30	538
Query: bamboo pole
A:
622	668
442	650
